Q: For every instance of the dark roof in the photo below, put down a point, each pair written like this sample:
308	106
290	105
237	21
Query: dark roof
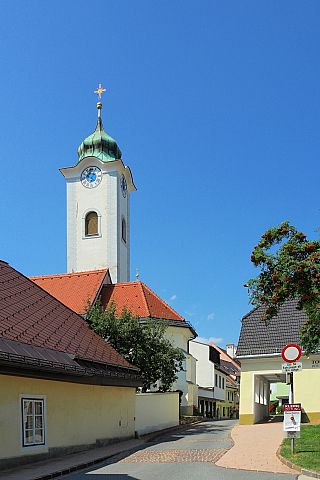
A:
30	315
28	360
233	370
257	338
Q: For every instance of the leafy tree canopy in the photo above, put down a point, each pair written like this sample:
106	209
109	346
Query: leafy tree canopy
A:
292	271
142	344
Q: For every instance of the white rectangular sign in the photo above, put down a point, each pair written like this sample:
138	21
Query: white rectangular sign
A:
315	364
292	367
292	417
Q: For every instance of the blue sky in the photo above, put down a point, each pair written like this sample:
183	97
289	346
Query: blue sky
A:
215	107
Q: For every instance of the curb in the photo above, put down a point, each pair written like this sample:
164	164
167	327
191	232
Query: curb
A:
229	437
304	471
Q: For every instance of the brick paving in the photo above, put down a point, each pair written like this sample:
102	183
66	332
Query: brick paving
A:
202	440
173	456
255	449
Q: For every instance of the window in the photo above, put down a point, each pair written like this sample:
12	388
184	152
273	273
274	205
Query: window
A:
224	411
33	421
228	395
223	382
91	224
216	378
214	355
219	381
124	230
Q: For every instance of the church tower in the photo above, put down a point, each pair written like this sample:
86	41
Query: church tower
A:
98	200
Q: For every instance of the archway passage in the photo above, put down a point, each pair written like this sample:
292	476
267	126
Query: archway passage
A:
265	388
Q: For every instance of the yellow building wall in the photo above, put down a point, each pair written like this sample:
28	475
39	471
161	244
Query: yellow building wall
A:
306	386
76	414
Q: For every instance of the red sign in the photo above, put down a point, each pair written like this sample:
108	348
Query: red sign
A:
292	407
291	353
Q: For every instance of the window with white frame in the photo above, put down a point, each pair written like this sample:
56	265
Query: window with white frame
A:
33	420
91	224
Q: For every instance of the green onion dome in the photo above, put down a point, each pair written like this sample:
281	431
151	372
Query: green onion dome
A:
99	144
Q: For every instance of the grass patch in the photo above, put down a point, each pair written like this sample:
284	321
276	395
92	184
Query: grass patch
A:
306	448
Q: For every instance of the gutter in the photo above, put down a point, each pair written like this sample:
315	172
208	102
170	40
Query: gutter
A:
260	355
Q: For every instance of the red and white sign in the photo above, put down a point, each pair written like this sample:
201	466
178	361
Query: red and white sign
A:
292	407
291	353
292	417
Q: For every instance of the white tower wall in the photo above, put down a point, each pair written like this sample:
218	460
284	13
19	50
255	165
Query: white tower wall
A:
107	249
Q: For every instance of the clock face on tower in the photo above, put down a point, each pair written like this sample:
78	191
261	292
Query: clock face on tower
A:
91	177
123	184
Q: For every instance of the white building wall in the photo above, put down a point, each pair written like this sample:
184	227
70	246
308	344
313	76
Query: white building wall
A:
106	250
219	392
205	368
186	381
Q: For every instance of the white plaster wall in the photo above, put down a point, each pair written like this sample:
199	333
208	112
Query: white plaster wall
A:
124	247
205	368
220	393
179	336
156	411
106	250
205	393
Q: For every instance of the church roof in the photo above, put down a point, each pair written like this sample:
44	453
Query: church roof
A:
100	145
30	315
74	289
139	299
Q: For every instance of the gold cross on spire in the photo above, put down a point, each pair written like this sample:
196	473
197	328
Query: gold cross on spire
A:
100	90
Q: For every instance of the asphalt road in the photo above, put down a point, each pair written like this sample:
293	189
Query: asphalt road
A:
186	454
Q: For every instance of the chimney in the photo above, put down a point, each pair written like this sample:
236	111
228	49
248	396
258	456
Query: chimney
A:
231	350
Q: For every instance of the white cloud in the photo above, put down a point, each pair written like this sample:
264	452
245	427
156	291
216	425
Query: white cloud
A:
210	317
173	297
215	340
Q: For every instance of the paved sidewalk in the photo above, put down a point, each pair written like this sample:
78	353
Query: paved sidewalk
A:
71	463
255	448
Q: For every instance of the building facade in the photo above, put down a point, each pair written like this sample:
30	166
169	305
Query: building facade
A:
98	207
259	350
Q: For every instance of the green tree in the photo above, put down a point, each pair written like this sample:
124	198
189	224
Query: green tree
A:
142	344
293	271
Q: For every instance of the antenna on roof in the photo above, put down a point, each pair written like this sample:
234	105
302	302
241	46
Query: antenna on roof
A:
137	275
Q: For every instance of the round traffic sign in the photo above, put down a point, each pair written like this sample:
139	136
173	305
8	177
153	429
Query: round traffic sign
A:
291	353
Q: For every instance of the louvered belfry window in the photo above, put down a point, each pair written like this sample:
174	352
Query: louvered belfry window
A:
124	230
91	224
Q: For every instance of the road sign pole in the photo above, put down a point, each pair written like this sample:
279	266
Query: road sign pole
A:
291	400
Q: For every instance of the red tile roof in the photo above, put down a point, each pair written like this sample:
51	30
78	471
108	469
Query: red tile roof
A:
73	289
139	299
30	315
